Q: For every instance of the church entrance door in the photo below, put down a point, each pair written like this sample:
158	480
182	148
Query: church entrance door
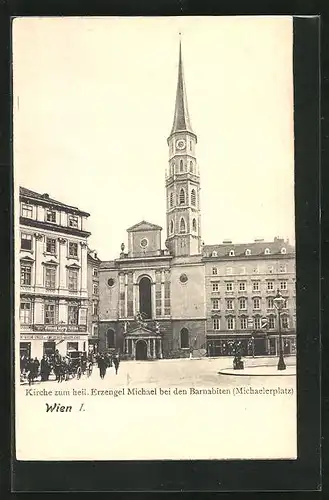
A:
141	350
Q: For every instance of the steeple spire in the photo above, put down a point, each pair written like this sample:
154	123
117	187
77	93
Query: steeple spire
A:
181	116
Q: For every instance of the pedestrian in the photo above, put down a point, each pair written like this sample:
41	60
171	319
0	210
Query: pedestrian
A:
102	366
116	362
44	368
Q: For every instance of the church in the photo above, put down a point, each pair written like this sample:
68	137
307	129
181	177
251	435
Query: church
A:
158	303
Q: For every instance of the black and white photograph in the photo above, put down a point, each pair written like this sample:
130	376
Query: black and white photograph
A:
155	265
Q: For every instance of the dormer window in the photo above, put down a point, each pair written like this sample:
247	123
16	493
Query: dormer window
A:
214	254
248	252
283	251
73	221
267	251
231	254
51	216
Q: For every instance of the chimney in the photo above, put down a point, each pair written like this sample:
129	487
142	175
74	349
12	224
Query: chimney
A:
46	195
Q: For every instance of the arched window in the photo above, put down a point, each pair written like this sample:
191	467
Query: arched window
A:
214	254
181	165
191	166
193	197
110	338
231	253
248	252
184	338
194	224
182	197
267	251
182	226
171	227
283	250
171	201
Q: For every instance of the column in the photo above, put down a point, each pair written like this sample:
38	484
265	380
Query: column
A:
153	299
149	348
133	348
38	271
160	352
162	292
134	295
153	348
83	276
126	295
62	250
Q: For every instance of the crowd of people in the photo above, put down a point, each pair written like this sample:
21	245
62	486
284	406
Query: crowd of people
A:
64	367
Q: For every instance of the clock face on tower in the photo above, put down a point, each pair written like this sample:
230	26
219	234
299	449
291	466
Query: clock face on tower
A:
180	144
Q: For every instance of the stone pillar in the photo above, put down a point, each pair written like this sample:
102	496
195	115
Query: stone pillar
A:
133	348
126	295
162	293
149	348
63	311
134	296
153	348
160	352
83	275
153	299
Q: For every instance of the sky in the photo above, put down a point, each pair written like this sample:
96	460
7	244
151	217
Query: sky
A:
94	104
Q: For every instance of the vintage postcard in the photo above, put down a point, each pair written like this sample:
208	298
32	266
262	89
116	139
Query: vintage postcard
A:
155	303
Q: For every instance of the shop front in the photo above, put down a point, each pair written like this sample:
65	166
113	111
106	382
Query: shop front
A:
37	345
226	345
288	345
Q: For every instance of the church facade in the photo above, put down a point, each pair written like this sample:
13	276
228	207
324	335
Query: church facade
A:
190	297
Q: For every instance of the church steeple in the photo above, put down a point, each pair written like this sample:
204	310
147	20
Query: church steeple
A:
182	122
183	179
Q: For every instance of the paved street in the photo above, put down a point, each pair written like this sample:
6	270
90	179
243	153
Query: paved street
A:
235	418
177	373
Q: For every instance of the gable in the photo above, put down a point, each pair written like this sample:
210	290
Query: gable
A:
144	226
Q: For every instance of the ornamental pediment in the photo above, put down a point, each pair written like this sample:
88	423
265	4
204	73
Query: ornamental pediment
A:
142	332
144	226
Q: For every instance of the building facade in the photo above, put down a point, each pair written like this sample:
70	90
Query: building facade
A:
189	296
53	276
153	302
93	264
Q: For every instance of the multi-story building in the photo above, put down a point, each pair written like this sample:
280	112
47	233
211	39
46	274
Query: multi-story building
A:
241	283
53	274
193	296
93	263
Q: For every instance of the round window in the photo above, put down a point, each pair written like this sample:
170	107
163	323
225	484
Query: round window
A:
183	278
144	243
111	282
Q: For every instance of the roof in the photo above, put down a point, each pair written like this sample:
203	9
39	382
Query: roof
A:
256	248
182	120
144	226
45	198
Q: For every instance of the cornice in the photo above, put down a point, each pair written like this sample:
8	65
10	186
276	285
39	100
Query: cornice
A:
24	221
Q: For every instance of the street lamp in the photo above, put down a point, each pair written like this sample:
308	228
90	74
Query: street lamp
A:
279	302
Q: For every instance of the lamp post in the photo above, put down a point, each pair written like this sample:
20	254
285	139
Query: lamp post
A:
279	303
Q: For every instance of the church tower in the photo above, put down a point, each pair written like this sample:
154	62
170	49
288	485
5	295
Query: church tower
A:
182	179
